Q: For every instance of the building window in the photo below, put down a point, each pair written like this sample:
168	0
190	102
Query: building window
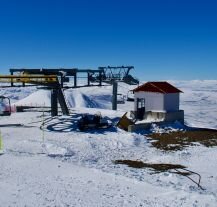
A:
140	103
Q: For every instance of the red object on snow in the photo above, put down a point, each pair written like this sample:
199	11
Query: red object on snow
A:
158	87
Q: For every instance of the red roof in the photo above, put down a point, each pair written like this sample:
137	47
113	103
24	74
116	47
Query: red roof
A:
158	87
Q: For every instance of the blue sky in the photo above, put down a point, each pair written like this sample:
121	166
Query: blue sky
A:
163	39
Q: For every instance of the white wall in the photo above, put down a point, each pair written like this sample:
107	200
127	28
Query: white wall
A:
153	101
171	102
158	101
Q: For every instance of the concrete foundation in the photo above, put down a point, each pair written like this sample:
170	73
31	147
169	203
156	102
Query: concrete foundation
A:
167	116
159	118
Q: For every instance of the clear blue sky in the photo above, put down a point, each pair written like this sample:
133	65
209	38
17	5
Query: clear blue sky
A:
163	39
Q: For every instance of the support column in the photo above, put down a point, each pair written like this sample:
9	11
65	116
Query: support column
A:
62	102
54	104
100	78
88	79
12	84
75	80
61	80
114	95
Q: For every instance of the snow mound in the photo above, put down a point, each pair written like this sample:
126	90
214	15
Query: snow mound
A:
38	98
74	99
16	94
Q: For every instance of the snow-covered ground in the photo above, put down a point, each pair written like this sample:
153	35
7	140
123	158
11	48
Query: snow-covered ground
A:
65	167
199	101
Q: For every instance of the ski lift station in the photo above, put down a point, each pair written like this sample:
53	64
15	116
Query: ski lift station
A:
155	102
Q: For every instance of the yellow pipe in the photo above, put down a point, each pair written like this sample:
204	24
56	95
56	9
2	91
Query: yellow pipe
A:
28	78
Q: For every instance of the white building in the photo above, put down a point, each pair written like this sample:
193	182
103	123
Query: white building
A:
158	101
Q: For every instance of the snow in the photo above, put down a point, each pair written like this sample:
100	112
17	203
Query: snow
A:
199	101
65	167
37	98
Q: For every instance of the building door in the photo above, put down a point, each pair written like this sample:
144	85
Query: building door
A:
140	108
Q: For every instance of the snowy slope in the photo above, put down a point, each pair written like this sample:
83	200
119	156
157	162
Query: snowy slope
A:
65	167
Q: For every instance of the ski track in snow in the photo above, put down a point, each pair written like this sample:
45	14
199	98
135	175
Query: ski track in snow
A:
72	168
